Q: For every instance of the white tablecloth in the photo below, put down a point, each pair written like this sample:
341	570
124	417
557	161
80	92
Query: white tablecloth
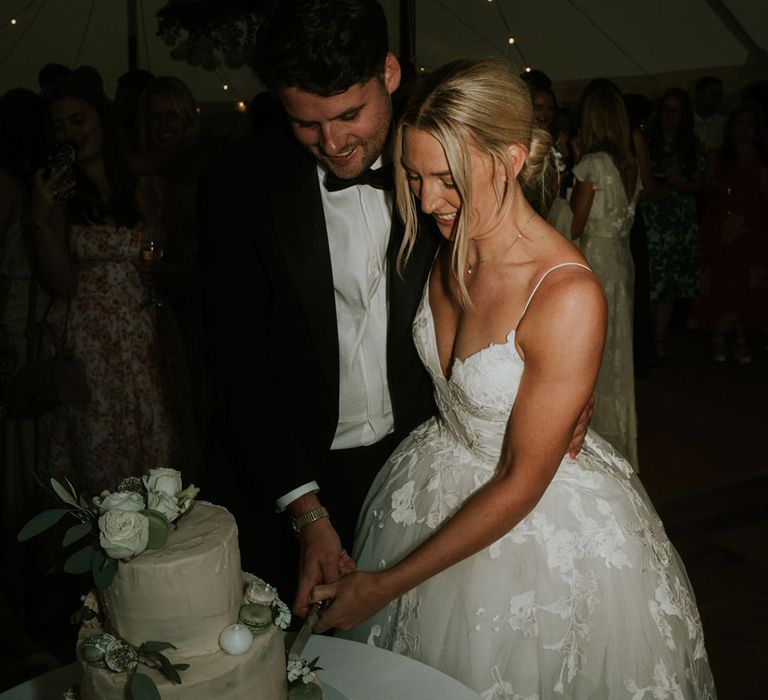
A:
351	671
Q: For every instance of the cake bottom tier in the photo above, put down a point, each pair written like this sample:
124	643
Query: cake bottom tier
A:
257	674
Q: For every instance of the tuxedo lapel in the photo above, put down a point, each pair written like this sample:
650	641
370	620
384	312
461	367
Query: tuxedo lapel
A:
299	223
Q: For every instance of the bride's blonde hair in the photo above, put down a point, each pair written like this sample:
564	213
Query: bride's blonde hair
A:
480	104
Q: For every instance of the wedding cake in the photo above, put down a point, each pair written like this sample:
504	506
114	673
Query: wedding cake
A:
171	614
186	594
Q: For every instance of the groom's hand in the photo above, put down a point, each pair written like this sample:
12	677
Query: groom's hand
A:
580	431
320	555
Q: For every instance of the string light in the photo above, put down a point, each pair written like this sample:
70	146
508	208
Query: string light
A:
527	69
225	86
511	40
240	106
13	21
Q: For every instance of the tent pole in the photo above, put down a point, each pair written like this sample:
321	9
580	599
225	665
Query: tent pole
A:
407	33
133	37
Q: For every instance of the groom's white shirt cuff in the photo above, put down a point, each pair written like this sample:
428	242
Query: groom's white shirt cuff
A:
284	501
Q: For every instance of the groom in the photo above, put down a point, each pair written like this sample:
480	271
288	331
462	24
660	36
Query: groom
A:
316	376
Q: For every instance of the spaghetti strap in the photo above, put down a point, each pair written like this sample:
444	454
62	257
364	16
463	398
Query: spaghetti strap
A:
541	279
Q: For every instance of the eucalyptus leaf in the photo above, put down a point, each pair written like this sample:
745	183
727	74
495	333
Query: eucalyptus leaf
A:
103	569
82	614
142	687
75	533
164	665
156	646
77	617
71	488
40	523
159	527
80	561
167	669
62	493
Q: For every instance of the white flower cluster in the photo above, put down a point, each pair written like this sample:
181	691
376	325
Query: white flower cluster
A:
281	613
300	670
130	516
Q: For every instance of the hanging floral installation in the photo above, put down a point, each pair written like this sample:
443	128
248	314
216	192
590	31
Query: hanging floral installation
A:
210	33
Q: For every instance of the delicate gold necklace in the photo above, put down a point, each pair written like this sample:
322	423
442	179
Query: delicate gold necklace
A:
470	268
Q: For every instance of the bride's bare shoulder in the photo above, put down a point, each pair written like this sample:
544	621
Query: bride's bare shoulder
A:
567	295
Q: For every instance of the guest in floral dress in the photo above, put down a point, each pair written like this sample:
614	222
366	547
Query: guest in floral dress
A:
677	159
89	235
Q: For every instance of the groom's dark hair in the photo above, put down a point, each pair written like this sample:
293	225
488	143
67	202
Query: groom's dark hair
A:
320	46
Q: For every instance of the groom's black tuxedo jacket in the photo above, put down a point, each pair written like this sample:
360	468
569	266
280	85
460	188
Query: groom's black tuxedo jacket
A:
270	315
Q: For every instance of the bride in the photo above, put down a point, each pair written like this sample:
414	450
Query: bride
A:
481	550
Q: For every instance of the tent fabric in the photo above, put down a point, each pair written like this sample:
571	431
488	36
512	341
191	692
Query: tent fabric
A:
644	45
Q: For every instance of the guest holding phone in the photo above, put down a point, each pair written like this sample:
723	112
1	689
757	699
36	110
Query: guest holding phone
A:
89	231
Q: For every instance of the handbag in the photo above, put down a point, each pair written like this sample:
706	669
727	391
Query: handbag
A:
40	386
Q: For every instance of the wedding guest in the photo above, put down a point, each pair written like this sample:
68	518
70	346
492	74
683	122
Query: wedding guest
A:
734	260
481	550
301	249
22	303
670	216
603	202
172	151
89	233
126	104
51	73
708	123
639	109
547	113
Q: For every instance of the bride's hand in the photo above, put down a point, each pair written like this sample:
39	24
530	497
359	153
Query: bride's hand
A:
355	598
346	563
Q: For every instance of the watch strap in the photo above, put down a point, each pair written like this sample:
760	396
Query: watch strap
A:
301	521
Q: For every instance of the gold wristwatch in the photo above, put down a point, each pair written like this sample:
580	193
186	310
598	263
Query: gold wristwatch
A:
301	521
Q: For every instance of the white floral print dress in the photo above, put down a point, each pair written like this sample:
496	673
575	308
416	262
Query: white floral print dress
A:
584	598
139	413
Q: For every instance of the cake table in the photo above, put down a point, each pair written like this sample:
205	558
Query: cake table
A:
351	671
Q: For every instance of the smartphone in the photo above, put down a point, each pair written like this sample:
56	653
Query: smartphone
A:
63	156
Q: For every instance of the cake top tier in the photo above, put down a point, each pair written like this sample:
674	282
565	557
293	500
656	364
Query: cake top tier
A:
184	593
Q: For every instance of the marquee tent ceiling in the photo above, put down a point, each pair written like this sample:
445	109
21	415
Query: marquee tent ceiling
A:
645	45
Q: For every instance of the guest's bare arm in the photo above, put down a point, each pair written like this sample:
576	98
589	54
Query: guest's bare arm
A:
581	204
562	340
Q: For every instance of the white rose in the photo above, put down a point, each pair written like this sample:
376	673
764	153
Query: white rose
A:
163	480
123	533
120	500
163	503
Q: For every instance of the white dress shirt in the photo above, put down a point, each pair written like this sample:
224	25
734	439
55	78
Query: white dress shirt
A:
358	221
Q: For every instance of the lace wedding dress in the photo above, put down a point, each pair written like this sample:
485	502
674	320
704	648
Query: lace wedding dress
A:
584	598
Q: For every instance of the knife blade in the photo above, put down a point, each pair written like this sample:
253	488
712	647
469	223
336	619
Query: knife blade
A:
315	610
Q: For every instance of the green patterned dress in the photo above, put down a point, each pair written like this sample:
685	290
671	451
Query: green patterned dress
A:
673	235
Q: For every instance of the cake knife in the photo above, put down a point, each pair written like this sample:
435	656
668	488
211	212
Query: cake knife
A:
315	610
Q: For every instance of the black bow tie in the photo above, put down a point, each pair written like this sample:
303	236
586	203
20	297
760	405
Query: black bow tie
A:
381	179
